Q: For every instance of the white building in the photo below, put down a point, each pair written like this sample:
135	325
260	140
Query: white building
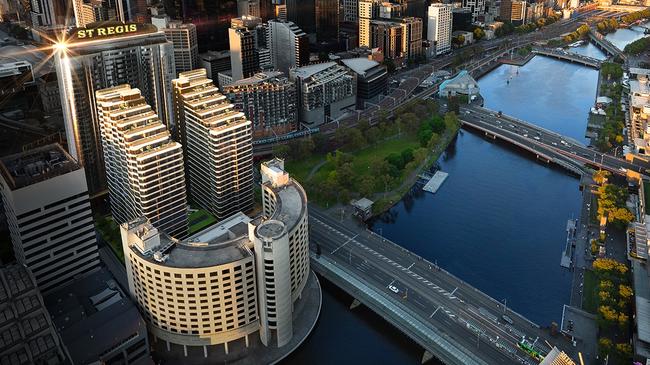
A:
48	212
440	25
325	90
144	165
368	10
477	7
248	8
218	146
289	45
184	39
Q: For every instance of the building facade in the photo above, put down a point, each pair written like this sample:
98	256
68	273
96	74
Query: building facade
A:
412	37
232	280
389	37
139	56
90	11
372	79
327	20
218	146
268	99
440	27
350	10
368	10
289	45
325	90
48	212
244	57
215	62
184	40
143	164
477	7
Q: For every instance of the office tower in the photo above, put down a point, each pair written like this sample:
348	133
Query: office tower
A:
412	37
327	20
215	62
518	11
387	36
218	147
268	100
302	13
368	10
42	13
289	45
281	12
250	274
372	78
144	165
91	11
244	60
505	9
440	24
388	10
248	8
324	91
136	54
184	41
27	333
477	7
48	209
212	20
350	10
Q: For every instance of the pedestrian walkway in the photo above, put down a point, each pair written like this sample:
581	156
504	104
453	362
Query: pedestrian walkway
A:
435	182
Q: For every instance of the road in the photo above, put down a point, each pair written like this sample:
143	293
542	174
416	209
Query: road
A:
441	300
547	141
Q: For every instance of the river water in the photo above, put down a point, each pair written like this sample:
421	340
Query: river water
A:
498	222
620	38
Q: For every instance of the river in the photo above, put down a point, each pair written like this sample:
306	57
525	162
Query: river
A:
498	222
620	38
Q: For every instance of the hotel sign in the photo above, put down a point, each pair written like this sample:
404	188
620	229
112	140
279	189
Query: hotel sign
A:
111	30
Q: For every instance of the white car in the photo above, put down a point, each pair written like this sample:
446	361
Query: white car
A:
393	288
536	138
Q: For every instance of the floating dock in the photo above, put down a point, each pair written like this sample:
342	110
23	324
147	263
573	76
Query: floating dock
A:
571	226
435	181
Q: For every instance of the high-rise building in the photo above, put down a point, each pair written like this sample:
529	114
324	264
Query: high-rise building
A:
212	20
268	100
368	10
91	11
477	7
327	20
412	37
143	164
249	275
243	36
248	8
218	146
440	24
28	336
42	13
350	10
387	36
215	62
325	90
289	45
518	11
48	210
302	13
101	57
505	9
183	38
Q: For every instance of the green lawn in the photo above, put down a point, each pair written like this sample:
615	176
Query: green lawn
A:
199	220
590	290
299	170
110	232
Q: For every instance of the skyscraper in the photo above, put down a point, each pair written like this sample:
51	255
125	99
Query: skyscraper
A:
184	40
268	99
327	20
412	37
244	57
368	10
388	36
248	8
91	11
144	165
302	13
477	7
440	24
101	57
48	209
42	13
289	45
218	146
212	20
350	10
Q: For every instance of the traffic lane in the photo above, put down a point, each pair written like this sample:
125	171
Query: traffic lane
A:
420	304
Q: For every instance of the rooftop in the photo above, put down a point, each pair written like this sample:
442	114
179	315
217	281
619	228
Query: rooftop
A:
259	78
290	205
30	167
218	244
38	59
93	315
360	65
311	70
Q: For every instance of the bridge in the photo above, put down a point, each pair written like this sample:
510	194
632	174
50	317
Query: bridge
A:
547	145
608	47
568	56
449	318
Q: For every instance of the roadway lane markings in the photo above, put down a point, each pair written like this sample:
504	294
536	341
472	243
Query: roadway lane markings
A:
346	242
410	266
435	311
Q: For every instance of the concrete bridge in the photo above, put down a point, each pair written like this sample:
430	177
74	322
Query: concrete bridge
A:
568	56
449	318
608	47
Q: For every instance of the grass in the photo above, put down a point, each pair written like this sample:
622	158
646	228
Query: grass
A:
199	220
300	169
590	290
110	233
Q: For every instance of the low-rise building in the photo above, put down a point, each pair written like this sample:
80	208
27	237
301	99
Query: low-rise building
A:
462	84
325	91
371	76
215	62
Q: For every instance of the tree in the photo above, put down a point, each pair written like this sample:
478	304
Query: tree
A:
373	135
321	142
355	139
459	40
478	33
367	185
624	291
345	175
453	104
600	176
433	140
410	122
451	121
390	65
